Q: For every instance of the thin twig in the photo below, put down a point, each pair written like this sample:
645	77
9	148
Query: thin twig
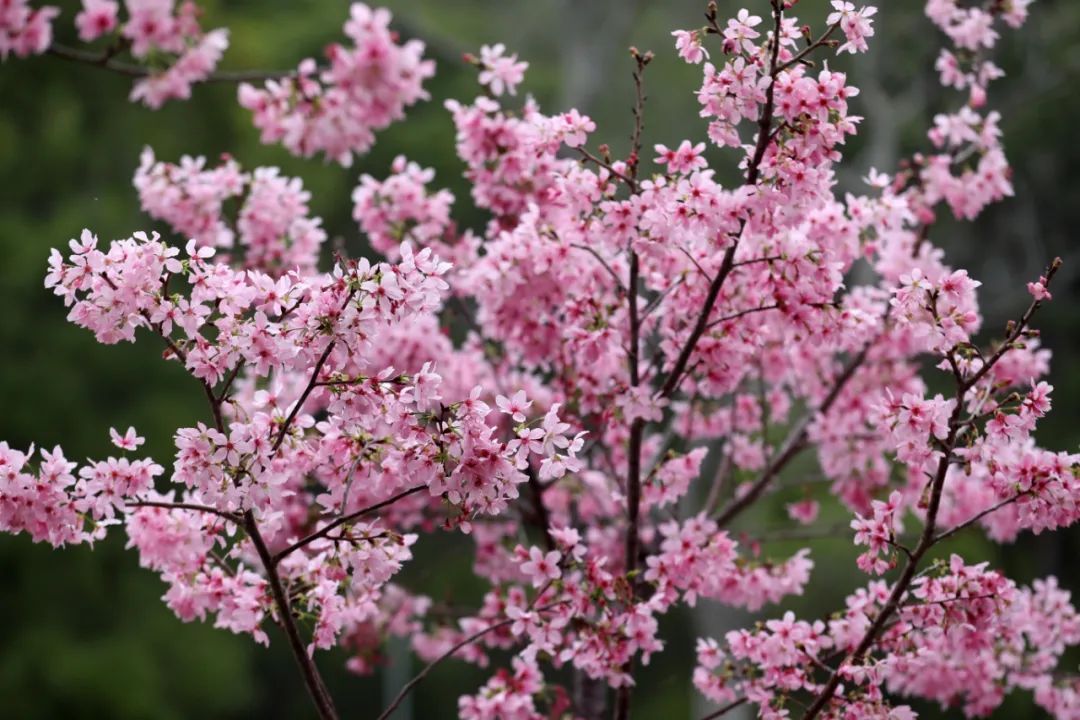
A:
794	443
458	646
810	48
586	248
231	517
105	61
1017	330
630	182
976	518
725	709
742	313
323	531
312	383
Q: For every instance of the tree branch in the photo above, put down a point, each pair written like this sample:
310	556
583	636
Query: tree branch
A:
324	704
727	264
979	516
105	61
794	443
467	641
637	425
312	383
926	541
326	529
231	517
725	709
810	48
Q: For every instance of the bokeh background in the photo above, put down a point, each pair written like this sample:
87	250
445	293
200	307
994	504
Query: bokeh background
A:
83	634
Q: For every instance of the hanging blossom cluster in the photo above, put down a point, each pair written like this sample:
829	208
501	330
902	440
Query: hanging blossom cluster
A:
332	109
25	30
385	434
337	110
272	231
164	38
595	387
965	636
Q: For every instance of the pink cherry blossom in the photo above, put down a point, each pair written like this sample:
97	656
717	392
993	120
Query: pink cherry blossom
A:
337	111
502	73
97	18
128	441
689	45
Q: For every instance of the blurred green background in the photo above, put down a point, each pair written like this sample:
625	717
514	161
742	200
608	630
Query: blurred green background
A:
83	635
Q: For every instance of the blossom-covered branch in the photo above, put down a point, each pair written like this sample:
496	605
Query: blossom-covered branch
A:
615	322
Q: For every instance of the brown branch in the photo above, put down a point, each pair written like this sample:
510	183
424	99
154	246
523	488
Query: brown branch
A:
630	182
229	382
728	262
591	251
458	646
326	529
655	302
979	516
312	383
105	61
725	709
637	426
641	61
794	443
926	541
723	473
835	532
543	519
324	704
810	48
313	681
765	120
742	313
231	517
1016	330
767	258
927	538
677	370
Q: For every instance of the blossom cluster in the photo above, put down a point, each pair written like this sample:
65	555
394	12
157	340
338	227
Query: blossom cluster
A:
272	227
964	635
337	110
25	30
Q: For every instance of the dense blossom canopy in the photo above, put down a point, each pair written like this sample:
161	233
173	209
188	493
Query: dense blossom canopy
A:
645	352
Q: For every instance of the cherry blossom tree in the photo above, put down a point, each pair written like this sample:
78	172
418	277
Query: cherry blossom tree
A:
630	323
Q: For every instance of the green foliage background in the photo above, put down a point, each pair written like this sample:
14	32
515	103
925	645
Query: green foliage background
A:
83	635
